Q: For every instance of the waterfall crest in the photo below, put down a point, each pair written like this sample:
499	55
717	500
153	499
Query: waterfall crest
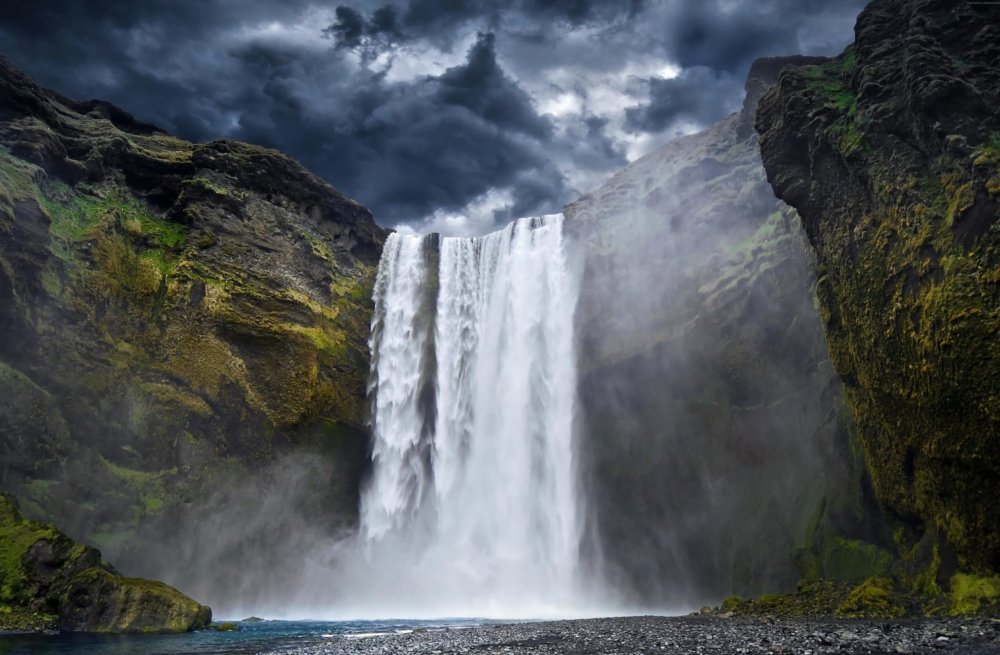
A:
472	507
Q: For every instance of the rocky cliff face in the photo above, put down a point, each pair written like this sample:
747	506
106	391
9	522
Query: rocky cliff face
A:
713	419
891	155
183	333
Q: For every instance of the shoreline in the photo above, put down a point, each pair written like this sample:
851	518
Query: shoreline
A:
691	634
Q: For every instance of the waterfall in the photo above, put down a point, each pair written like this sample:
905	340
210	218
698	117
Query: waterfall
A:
472	505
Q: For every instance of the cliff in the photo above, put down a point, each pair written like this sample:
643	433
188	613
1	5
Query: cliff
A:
713	421
891	155
183	333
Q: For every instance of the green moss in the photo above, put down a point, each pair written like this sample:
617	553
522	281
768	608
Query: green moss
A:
73	218
833	85
851	560
152	503
816	599
333	343
730	603
988	154
872	599
150	489
19	619
11	376
826	555
319	248
77	217
130	476
771	228
205	184
120	273
16	537
925	582
177	397
972	594
846	62
17	182
911	317
850	139
104	602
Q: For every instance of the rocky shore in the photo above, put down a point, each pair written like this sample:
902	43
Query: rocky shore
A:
691	634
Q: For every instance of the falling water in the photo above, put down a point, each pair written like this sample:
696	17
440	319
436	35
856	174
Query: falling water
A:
472	506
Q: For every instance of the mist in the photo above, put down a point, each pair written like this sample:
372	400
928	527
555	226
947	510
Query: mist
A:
710	407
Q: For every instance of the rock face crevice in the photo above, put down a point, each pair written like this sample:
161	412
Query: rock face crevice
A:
891	155
183	331
712	419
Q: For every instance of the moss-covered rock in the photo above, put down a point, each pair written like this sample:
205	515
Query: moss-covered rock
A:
973	594
872	599
175	319
887	153
48	582
812	600
98	600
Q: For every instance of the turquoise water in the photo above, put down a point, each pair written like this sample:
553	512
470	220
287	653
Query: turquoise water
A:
277	637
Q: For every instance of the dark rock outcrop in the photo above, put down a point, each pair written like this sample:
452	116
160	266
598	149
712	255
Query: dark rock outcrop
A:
183	332
47	581
891	155
712	431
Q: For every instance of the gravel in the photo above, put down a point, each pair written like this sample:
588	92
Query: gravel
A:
688	635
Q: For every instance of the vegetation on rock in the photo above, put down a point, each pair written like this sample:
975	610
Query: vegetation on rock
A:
48	582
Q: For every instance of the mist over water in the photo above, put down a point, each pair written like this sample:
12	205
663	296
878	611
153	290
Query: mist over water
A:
472	507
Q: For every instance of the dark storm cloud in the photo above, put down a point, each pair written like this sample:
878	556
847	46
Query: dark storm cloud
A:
726	36
437	20
697	95
715	41
349	28
482	87
412	148
353	30
399	104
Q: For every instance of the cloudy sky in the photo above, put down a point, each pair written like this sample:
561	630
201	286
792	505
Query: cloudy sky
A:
447	115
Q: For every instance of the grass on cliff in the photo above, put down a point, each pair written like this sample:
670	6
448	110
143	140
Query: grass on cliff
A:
832	83
133	250
16	537
770	228
16	182
78	217
988	153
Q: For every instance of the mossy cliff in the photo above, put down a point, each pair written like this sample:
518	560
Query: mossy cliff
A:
176	320
714	434
49	582
891	155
